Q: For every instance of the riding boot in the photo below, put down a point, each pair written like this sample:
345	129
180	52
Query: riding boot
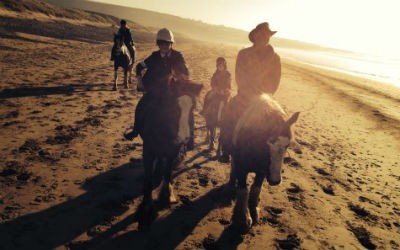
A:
139	118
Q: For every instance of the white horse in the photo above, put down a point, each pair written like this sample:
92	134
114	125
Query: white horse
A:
122	58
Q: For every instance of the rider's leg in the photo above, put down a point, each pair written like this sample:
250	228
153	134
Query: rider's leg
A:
231	115
139	117
206	102
131	52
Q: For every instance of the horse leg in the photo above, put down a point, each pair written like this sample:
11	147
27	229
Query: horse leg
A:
166	195
212	138
126	78
254	197
208	135
115	79
241	218
219	146
147	212
130	73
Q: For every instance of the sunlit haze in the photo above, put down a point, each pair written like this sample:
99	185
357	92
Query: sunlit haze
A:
366	26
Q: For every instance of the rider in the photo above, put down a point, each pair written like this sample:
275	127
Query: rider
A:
161	65
220	84
125	32
258	70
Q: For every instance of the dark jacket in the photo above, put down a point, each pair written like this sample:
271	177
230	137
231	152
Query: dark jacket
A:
159	68
128	38
221	80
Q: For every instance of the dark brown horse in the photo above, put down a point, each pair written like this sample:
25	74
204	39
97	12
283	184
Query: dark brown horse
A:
260	140
166	131
213	115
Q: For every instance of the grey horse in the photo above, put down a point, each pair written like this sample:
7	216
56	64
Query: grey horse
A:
260	140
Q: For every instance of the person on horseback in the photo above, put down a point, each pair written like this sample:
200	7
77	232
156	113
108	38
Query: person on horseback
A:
220	84
162	67
126	34
258	70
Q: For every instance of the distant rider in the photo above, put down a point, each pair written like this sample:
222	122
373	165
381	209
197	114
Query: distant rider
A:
126	33
220	84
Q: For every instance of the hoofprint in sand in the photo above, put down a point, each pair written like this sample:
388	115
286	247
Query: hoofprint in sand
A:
68	179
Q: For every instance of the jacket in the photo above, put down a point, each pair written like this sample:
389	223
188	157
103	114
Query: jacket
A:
127	34
159	68
221	80
258	71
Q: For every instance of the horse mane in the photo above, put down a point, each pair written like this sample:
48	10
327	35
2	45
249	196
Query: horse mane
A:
264	113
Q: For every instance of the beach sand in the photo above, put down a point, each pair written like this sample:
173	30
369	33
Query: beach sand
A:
69	180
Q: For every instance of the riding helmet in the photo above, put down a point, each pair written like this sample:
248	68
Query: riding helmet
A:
165	35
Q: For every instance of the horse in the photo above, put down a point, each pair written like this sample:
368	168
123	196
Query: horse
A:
213	116
122	58
259	142
165	133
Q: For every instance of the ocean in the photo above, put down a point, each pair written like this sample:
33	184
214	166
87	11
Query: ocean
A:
379	68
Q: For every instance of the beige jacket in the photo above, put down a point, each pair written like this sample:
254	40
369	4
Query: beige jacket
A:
258	70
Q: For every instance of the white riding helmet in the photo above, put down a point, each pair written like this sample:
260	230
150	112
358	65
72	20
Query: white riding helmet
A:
165	35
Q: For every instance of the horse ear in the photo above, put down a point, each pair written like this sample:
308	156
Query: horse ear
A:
293	119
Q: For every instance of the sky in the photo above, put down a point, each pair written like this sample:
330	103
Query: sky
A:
369	26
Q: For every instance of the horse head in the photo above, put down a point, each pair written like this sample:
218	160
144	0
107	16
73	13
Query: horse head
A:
269	131
183	93
278	143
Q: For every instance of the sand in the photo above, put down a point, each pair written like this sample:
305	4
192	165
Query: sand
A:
68	180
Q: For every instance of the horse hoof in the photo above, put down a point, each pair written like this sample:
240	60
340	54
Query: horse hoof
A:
255	215
166	196
242	227
224	159
147	214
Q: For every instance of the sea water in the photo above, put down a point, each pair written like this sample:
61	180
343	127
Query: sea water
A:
384	69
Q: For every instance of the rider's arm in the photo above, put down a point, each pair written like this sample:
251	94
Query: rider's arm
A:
274	77
130	37
140	67
213	82
146	63
180	66
228	82
240	72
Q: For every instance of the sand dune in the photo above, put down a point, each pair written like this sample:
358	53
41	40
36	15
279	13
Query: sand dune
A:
69	180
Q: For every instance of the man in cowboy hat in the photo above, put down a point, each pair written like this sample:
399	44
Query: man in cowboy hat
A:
258	70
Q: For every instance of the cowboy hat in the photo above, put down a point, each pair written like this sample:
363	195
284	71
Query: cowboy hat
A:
262	27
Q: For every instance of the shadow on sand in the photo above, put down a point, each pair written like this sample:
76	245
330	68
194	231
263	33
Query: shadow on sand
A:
67	89
168	232
108	195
